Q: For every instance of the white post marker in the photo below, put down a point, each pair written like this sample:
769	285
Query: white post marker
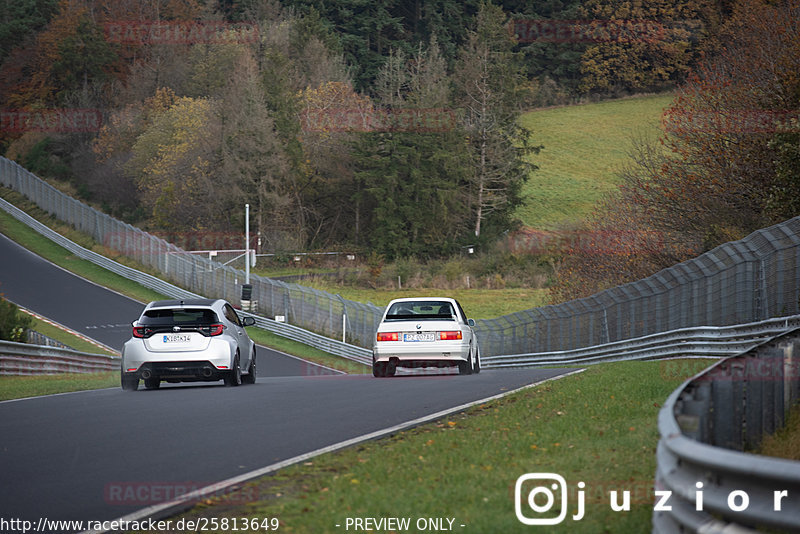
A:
247	243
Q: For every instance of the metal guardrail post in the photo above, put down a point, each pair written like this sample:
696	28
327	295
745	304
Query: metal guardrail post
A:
740	491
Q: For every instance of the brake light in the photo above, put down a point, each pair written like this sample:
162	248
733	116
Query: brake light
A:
450	335
388	336
215	329
141	331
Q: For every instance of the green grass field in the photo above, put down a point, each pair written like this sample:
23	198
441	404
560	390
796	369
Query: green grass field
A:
584	147
598	427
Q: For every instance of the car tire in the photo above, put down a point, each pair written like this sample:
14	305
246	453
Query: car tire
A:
250	377
152	383
383	369
129	382
234	377
477	367
465	368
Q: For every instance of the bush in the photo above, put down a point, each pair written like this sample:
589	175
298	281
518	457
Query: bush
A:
14	325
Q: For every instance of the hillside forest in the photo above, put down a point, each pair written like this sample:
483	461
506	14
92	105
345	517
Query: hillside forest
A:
391	127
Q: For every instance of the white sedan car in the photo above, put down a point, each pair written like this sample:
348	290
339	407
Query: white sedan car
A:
425	332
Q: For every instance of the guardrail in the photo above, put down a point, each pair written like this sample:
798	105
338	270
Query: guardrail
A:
338	348
704	341
705	425
331	346
25	359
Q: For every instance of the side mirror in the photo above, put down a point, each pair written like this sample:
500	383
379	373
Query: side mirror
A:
471	322
248	321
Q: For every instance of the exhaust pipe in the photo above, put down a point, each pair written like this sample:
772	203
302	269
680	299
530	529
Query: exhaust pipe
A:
146	374
207	372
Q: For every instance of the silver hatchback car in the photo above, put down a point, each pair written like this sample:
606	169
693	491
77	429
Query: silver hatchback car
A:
188	341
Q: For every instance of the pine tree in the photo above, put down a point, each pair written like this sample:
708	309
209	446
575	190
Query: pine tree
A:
413	167
490	83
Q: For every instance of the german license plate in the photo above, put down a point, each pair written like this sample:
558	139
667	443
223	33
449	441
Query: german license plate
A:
422	336
177	338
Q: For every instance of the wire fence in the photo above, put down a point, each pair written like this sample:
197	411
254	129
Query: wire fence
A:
744	281
314	310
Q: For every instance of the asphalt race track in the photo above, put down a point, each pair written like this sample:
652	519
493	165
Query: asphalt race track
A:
40	286
100	455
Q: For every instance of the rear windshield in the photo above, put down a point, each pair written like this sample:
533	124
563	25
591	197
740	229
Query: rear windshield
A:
179	317
420	310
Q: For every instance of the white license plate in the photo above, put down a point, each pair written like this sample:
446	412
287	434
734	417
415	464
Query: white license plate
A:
177	338
424	336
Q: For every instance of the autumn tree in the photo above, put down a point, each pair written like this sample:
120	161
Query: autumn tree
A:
639	46
70	54
173	164
332	115
253	164
725	165
21	20
293	57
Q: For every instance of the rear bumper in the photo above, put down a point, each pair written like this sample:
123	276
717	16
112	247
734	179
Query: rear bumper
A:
437	354
209	364
178	370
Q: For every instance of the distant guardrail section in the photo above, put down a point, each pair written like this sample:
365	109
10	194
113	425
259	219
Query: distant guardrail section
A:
703	341
707	423
26	359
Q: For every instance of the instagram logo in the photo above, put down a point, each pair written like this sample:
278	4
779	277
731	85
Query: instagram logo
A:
538	491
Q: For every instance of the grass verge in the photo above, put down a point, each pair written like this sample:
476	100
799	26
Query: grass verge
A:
785	443
18	387
306	352
598	427
70	340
